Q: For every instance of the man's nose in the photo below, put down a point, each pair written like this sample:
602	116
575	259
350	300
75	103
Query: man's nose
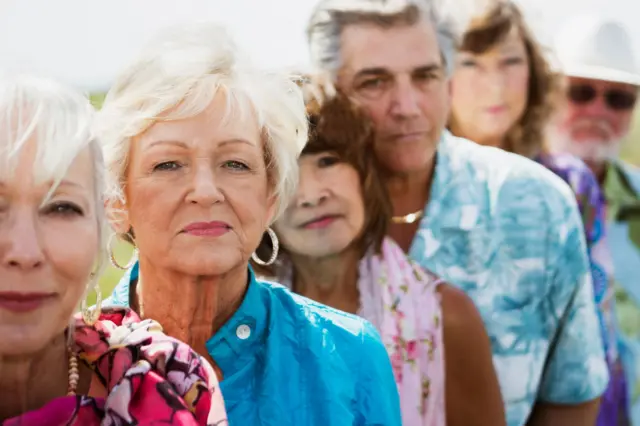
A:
405	99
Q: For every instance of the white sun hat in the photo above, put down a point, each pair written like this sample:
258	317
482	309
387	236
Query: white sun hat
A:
597	48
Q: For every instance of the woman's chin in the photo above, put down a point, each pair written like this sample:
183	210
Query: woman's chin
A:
211	263
25	341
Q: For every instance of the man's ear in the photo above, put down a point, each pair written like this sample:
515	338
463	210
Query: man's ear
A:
118	216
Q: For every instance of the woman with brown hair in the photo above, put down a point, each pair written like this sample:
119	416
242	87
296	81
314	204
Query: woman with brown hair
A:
503	95
333	250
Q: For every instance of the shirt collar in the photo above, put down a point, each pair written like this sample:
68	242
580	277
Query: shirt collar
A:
245	329
451	176
622	202
241	334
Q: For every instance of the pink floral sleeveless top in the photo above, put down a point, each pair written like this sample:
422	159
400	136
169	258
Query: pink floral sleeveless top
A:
401	300
151	379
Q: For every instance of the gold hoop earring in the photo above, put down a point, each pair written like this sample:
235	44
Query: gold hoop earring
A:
274	255
91	315
114	261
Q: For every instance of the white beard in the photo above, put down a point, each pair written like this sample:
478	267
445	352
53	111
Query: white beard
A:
592	151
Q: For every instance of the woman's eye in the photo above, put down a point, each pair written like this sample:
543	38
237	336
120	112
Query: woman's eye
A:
63	208
166	165
328	161
235	165
467	63
516	60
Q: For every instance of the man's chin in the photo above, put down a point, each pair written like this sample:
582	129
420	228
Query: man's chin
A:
591	151
596	152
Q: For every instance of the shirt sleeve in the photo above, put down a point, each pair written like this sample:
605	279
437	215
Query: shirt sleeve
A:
576	370
379	402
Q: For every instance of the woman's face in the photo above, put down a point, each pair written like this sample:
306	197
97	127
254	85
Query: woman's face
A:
490	91
198	197
327	212
48	249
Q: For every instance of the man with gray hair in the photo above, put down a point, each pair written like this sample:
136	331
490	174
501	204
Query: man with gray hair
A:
504	229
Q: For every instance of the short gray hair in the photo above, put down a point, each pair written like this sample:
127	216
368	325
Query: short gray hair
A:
179	73
330	17
60	120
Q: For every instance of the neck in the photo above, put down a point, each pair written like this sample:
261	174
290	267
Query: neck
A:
410	192
599	169
496	141
331	280
29	382
190	308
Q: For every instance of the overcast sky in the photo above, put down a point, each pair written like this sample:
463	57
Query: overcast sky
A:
86	42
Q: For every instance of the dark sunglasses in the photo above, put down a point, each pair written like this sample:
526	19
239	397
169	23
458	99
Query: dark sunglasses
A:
616	99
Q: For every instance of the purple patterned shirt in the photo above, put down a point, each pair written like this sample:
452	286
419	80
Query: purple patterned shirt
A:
592	207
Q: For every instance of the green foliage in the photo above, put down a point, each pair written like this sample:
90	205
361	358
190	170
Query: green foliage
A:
111	275
97	99
631	149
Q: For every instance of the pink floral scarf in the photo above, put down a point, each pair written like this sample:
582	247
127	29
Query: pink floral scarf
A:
151	379
401	300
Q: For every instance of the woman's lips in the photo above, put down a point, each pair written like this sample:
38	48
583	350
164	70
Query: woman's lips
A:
321	222
207	229
24	302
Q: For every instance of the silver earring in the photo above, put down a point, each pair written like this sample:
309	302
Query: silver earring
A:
274	254
114	261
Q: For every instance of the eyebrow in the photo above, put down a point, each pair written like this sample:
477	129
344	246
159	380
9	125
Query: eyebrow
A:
185	145
381	70
235	141
164	142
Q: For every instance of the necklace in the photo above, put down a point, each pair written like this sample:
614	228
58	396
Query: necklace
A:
408	218
74	375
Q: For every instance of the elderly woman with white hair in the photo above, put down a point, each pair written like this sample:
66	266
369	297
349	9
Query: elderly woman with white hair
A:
202	149
94	368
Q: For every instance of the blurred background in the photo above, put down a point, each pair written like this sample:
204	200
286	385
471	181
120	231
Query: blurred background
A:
86	42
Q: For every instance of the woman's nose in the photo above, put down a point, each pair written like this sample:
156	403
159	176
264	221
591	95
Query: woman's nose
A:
311	192
495	82
20	244
205	189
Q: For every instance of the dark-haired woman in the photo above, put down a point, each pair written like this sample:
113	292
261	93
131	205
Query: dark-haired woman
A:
334	250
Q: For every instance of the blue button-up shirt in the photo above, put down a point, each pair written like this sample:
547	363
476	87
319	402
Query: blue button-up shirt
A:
508	232
287	360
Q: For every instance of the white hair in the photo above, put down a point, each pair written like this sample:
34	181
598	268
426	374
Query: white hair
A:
330	18
177	76
59	120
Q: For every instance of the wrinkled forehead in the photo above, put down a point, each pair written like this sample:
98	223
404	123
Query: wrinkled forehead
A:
223	116
39	144
397	49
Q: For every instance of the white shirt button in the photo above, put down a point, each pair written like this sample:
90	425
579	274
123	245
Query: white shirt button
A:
243	332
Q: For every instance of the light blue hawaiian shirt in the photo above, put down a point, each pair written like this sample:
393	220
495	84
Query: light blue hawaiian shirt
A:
508	232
